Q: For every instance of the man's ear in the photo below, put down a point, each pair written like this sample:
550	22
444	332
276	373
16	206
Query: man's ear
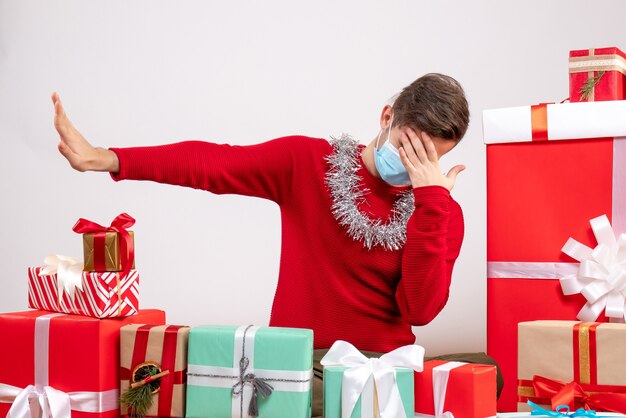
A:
385	117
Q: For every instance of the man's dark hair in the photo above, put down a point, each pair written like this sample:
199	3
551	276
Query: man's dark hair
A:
434	103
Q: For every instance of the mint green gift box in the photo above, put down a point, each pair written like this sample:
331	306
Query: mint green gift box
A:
283	357
333	376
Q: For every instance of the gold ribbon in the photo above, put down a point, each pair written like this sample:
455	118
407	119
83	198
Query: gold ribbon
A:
584	358
119	294
591	63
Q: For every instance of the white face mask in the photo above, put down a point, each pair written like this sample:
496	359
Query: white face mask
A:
388	162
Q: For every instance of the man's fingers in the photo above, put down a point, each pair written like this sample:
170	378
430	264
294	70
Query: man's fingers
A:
407	147
65	149
418	146
454	171
405	159
429	146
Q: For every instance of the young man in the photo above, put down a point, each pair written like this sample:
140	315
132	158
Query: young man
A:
369	234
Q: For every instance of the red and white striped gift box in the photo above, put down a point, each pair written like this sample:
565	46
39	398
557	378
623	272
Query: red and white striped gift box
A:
103	294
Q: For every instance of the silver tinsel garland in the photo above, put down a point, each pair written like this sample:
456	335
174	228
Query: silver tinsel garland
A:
347	194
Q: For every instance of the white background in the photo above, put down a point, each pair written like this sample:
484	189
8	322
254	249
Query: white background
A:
153	72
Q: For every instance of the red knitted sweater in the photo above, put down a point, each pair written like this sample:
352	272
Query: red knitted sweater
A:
327	282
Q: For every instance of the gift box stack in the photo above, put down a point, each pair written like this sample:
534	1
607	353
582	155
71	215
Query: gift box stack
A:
62	359
555	216
88	350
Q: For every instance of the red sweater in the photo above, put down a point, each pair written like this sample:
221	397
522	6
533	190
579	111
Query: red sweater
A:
327	282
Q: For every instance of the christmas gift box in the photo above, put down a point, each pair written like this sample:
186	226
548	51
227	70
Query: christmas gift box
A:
153	369
577	364
249	371
563	412
62	286
597	74
108	248
464	390
358	387
53	364
550	170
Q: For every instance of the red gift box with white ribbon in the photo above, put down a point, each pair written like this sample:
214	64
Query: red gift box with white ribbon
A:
96	294
550	170
53	364
453	388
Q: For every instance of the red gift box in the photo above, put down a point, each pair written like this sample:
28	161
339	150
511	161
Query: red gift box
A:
59	360
469	392
602	71
103	295
540	193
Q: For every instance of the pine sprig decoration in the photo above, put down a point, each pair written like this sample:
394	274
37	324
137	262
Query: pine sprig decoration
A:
587	89
139	398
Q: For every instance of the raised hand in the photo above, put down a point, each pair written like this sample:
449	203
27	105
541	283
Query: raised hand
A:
419	156
76	149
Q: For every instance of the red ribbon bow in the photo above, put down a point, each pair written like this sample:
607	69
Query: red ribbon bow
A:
119	225
573	395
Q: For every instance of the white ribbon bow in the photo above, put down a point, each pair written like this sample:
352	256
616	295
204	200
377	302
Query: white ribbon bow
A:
382	370
33	402
69	271
601	278
48	402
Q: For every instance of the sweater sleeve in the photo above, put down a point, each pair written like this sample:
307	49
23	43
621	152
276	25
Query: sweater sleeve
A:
262	170
434	236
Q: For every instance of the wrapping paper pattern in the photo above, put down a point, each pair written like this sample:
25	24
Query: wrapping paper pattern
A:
103	295
165	345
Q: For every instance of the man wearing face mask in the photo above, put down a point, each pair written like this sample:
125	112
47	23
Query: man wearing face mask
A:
370	233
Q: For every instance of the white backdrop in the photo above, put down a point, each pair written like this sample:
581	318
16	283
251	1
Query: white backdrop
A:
152	72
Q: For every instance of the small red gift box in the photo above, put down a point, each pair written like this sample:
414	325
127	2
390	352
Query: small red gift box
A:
550	169
67	364
597	74
466	390
101	295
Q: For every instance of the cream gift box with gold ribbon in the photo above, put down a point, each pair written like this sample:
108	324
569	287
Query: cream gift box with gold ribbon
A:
578	364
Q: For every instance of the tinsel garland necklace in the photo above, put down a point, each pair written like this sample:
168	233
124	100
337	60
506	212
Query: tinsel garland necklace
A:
343	181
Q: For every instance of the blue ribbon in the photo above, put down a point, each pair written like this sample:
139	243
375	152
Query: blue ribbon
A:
561	411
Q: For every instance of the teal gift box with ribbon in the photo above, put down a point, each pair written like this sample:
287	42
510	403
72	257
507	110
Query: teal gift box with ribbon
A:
358	387
238	372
